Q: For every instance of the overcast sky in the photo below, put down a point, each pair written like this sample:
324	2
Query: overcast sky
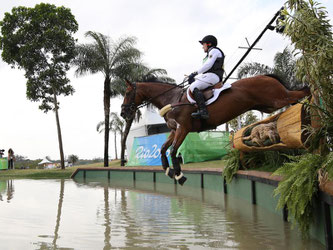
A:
167	31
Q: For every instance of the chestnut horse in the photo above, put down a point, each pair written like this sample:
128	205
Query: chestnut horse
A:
263	93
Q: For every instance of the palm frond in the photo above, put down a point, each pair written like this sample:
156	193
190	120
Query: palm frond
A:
252	69
102	44
87	60
100	127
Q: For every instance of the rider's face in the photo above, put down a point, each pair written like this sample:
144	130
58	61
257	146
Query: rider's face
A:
205	47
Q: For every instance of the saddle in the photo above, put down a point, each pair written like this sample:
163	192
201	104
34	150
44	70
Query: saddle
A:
208	92
211	93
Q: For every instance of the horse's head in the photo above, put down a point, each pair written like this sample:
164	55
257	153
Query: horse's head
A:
129	105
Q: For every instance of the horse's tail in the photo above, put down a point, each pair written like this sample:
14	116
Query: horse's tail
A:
279	79
305	88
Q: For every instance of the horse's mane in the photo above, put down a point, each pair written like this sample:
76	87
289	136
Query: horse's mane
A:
155	79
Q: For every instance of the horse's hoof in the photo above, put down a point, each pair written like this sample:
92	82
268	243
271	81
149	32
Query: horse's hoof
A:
170	172
181	179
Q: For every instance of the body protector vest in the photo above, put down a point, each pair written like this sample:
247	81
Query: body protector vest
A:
218	66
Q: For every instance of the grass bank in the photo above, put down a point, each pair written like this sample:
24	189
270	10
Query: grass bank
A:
58	173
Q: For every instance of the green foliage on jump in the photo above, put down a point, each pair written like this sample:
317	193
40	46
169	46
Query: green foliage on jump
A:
232	164
308	27
258	160
298	188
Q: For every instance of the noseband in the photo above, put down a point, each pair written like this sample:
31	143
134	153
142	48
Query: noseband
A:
131	106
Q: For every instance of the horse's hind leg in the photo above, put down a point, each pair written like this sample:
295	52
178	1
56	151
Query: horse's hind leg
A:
165	164
180	135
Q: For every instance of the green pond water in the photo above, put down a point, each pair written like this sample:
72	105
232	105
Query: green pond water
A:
64	214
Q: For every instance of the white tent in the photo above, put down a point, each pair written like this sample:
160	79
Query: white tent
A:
150	123
46	163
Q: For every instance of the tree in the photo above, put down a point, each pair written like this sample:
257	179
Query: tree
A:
245	120
39	40
116	125
114	59
310	31
73	158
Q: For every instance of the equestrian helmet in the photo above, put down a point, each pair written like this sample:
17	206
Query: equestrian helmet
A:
209	39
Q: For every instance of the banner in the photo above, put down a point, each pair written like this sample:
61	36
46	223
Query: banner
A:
146	150
197	147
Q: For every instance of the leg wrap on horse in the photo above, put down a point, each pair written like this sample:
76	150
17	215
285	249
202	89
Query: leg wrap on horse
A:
180	178
176	165
170	172
202	112
165	162
178	174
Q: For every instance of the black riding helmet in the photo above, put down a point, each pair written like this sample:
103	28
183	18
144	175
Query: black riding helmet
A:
209	39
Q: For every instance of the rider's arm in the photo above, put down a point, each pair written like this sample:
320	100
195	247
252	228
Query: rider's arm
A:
212	55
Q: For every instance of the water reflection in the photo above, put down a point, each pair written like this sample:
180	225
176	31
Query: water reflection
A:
107	232
61	198
95	215
6	189
45	245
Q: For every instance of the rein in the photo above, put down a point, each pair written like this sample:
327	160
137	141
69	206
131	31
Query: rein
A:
145	103
131	106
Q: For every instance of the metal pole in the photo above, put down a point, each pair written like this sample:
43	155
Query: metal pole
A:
268	26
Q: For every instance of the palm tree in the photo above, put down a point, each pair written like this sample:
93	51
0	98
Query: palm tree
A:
114	59
284	66
73	159
116	125
244	120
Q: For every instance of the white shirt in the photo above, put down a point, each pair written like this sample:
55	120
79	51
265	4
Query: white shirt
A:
213	53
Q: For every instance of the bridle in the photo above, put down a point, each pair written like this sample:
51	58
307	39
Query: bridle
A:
131	106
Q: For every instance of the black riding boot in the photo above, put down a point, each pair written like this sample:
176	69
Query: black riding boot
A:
202	112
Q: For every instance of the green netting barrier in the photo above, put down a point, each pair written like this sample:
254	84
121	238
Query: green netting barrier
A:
3	163
204	146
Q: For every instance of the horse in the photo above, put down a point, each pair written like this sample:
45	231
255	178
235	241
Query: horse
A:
265	93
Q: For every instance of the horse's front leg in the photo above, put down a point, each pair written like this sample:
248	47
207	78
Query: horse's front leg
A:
180	135
165	163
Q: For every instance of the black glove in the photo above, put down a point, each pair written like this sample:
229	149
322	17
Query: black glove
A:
191	77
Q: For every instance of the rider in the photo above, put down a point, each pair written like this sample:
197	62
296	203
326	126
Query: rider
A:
209	74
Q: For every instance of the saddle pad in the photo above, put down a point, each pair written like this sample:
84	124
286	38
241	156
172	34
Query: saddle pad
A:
216	93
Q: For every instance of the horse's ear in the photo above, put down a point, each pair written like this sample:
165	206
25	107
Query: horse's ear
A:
128	83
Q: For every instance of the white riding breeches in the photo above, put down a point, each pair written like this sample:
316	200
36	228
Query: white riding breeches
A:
203	81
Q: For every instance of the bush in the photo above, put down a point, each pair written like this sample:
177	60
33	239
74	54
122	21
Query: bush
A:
298	187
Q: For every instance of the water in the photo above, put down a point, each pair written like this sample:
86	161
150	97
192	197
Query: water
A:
64	214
